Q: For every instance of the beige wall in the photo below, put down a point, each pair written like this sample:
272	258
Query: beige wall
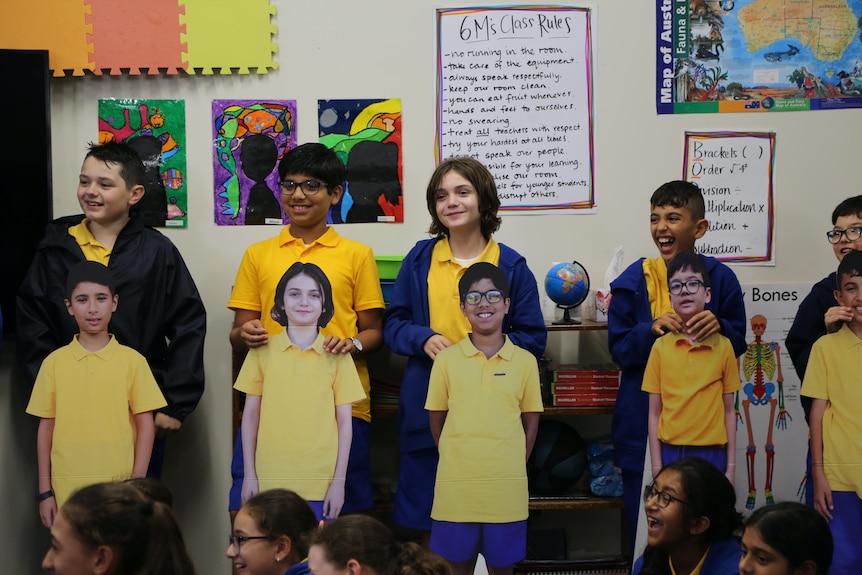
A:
382	49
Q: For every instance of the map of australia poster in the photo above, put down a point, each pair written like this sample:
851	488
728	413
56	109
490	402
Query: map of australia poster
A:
758	55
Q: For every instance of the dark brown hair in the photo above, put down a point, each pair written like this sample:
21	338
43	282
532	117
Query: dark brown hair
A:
481	180
367	541
142	533
281	512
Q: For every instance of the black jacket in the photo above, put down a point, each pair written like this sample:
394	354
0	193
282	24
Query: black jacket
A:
160	313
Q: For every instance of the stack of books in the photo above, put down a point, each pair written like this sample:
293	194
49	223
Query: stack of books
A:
585	384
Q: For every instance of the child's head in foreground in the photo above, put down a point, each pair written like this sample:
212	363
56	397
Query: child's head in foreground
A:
677	218
115	528
361	545
484	293
787	538
688	283
271	533
90	296
122	158
303	297
467	182
689	501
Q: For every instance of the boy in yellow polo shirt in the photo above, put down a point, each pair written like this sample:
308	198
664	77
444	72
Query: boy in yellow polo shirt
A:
312	178
95	399
691	382
832	381
484	403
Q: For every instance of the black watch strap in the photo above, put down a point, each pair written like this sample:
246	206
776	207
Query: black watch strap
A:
45	495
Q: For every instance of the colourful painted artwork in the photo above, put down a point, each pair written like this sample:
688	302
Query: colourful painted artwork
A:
366	135
157	130
249	138
757	55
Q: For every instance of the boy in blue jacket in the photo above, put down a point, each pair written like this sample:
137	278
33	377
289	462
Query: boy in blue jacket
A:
641	312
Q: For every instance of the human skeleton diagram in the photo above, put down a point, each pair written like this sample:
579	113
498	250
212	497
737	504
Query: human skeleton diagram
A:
761	369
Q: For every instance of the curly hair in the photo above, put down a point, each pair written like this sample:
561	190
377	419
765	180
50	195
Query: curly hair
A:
481	180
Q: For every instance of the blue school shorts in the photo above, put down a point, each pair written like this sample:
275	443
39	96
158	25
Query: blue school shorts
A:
417	473
501	544
715	454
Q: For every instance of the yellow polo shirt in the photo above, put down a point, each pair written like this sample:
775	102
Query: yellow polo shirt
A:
444	304
691	379
482	474
833	374
93	250
350	268
297	439
92	396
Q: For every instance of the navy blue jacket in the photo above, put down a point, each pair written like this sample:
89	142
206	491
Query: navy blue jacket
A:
406	329
630	339
721	559
160	313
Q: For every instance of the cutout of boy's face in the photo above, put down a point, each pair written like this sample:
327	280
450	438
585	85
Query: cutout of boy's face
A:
485	318
675	230
691	300
92	306
850	295
303	301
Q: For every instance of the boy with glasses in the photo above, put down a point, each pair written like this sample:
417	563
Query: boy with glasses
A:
691	382
312	178
483	403
642	312
819	313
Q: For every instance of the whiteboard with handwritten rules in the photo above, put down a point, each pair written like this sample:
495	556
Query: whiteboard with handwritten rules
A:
515	92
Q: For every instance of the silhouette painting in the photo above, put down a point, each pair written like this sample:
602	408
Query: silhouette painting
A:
156	129
366	135
249	138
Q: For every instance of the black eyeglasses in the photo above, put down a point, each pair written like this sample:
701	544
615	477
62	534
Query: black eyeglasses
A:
691	286
309	187
492	296
237	540
663	498
852	234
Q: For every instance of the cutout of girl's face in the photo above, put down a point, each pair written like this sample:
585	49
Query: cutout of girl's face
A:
303	301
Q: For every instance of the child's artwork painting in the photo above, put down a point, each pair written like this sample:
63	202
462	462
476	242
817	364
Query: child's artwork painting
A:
156	129
250	137
366	135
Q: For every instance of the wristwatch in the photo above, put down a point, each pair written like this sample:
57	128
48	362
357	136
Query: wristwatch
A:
356	343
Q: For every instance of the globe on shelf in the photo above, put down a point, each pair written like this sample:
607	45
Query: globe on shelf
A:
568	285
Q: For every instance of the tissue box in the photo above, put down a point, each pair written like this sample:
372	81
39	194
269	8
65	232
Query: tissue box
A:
603	303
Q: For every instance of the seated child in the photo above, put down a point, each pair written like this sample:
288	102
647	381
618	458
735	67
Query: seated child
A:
95	399
296	425
691	383
788	538
691	522
484	402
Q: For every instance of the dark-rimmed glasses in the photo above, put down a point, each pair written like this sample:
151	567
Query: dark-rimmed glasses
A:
852	234
663	498
691	287
492	296
309	187
237	540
